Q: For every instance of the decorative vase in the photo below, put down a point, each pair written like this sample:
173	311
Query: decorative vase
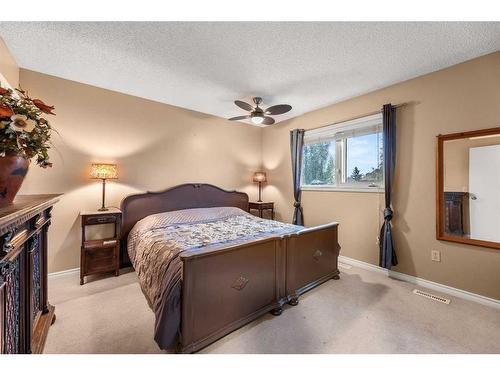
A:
13	169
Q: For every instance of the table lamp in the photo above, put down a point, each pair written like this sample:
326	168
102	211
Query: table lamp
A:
103	172
259	177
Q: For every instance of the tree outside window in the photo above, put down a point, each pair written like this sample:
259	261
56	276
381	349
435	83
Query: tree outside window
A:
319	163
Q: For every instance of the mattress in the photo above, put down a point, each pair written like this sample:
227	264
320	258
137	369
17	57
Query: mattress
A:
156	242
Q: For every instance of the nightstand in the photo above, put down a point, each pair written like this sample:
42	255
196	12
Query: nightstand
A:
261	207
100	255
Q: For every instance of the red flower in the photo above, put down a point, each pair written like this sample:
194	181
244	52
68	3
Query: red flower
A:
5	111
3	91
44	107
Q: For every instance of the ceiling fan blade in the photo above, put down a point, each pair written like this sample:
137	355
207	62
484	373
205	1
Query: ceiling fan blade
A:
243	105
268	121
239	118
278	109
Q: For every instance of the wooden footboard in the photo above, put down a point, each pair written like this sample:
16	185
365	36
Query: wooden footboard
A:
225	289
311	259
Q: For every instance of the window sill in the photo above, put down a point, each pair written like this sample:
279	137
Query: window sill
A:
344	189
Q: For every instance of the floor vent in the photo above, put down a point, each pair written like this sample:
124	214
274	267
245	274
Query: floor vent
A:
431	296
345	266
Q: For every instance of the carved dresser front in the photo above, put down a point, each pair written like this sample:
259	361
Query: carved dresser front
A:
25	314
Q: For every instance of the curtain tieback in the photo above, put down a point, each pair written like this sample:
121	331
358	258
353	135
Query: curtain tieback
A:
388	214
296	204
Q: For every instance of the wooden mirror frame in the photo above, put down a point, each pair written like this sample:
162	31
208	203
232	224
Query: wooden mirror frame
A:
440	234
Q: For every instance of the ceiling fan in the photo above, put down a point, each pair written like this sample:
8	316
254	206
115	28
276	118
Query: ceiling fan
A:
259	115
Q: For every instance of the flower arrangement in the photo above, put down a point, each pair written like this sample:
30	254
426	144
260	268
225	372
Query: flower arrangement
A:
23	130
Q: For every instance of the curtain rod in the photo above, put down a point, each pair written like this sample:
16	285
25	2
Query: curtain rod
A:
356	117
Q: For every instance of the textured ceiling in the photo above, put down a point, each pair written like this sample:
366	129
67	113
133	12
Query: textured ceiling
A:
206	66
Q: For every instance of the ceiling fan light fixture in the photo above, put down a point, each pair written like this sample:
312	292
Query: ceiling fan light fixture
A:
257	119
260	115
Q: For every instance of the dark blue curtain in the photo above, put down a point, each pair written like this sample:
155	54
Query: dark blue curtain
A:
296	144
388	256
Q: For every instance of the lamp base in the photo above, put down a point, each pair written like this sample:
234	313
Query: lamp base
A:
103	205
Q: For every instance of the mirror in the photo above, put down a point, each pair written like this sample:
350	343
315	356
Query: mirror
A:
468	187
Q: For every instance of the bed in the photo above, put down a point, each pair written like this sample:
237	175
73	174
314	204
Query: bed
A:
208	267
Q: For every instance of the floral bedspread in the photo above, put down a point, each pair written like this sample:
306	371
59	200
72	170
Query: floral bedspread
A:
155	243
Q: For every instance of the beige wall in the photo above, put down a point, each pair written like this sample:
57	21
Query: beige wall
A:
9	71
460	98
456	165
155	145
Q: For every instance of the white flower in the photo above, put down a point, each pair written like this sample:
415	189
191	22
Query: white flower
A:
21	123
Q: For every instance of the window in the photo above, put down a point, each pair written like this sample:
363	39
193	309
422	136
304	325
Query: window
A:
344	156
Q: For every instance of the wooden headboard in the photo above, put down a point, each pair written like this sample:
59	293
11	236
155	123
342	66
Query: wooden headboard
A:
138	206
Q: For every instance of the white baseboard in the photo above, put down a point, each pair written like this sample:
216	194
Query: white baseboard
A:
71	272
424	283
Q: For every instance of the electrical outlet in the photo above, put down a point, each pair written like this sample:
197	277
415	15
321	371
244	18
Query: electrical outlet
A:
436	256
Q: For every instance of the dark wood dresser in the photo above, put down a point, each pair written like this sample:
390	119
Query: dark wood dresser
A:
455	208
25	313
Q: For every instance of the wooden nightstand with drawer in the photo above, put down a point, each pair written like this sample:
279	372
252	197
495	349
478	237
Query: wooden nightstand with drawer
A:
100	255
260	207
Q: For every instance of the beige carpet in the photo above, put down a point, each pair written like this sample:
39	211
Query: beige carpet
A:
363	312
